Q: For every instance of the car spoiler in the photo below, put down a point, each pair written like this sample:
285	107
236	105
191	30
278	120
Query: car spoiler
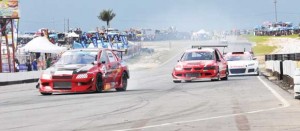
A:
211	46
121	52
203	46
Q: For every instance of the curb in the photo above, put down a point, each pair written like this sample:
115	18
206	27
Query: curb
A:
18	82
273	81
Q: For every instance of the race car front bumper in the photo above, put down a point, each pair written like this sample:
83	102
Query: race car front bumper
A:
243	71
66	84
194	75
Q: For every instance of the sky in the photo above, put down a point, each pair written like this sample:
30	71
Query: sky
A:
185	15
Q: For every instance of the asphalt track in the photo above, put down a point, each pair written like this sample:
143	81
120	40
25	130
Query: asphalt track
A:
154	103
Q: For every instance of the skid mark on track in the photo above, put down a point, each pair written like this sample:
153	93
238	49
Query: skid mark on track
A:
284	102
241	121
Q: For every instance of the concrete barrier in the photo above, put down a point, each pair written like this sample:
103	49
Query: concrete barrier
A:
297	83
19	77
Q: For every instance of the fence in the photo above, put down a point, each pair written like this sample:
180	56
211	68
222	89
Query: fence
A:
285	67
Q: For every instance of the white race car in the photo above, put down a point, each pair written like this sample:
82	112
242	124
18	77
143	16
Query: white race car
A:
241	63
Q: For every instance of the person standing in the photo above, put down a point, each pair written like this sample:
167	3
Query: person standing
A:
17	65
34	65
28	64
48	62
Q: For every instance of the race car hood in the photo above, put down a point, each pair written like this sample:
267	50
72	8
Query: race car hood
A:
242	64
202	63
68	69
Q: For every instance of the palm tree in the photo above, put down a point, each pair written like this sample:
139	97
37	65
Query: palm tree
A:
106	15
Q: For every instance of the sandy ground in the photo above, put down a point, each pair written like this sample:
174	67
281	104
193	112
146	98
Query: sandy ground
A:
286	45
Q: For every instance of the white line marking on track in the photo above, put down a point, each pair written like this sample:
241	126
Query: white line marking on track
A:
278	96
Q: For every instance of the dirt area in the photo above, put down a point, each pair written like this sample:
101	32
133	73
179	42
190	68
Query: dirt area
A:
285	45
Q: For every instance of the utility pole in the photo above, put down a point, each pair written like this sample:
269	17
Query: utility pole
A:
64	25
68	22
53	22
275	6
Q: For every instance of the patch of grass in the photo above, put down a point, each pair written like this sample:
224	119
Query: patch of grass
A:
294	36
262	49
257	39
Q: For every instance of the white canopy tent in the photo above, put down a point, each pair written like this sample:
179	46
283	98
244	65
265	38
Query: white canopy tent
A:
42	45
72	34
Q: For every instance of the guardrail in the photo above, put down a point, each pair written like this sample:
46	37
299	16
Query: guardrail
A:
285	67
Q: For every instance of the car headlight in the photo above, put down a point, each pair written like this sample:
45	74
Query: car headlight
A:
178	67
46	76
252	64
82	76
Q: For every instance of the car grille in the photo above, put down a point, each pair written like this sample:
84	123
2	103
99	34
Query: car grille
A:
192	74
187	69
62	85
197	69
237	71
62	77
251	70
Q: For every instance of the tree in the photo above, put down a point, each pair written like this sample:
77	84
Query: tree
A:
107	16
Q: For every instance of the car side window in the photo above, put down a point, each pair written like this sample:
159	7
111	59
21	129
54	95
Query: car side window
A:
217	55
103	57
111	57
220	56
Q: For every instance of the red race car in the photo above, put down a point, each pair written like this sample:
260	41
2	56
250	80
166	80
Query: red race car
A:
85	70
201	63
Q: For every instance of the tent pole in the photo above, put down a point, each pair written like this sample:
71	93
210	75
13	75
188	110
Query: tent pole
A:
3	24
8	51
13	43
1	53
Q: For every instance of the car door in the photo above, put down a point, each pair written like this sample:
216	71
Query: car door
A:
114	67
222	63
105	67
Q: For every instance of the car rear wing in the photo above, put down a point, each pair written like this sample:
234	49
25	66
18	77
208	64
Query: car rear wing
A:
211	46
120	51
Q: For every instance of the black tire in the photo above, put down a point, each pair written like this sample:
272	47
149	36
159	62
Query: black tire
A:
124	81
296	96
46	94
218	78
175	81
257	73
226	77
99	83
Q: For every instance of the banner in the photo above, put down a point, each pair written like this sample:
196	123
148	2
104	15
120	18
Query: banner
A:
9	9
94	39
103	44
109	41
98	35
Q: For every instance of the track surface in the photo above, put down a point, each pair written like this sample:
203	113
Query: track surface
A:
154	102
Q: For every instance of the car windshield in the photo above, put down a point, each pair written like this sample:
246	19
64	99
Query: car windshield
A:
238	57
190	56
77	57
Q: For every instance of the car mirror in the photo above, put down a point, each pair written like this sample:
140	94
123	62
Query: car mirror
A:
94	63
103	62
96	57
